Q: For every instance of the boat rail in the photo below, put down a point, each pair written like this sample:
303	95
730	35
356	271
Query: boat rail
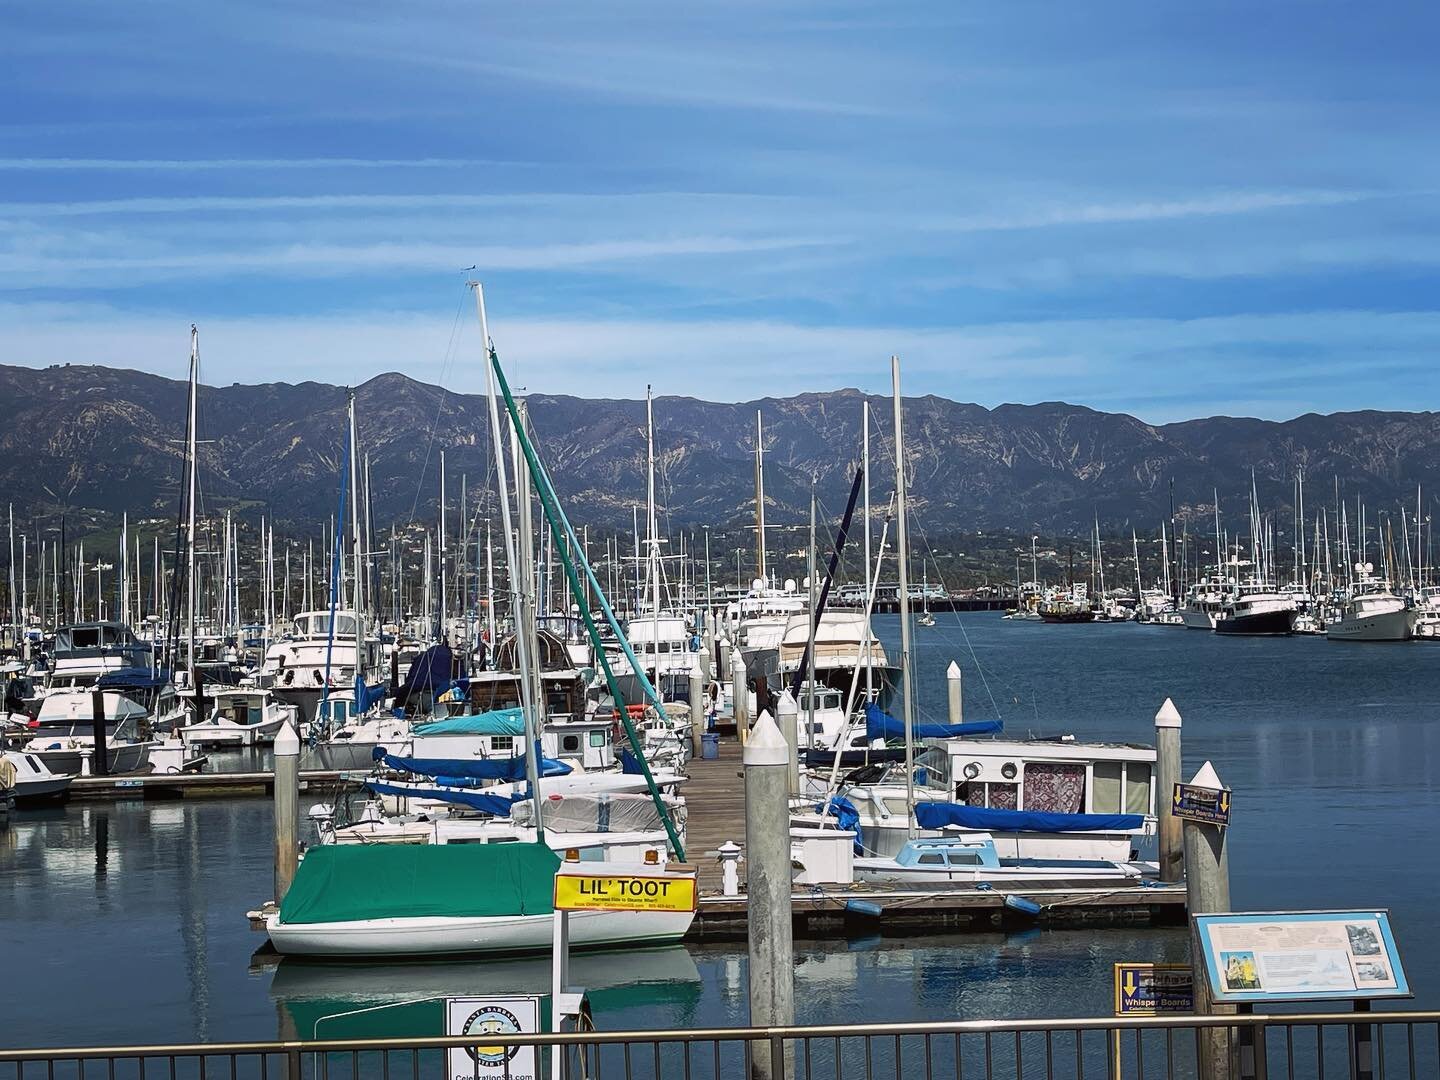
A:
1360	1045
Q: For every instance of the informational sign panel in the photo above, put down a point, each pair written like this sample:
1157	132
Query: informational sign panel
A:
575	891
1301	956
1144	989
482	1017
1210	805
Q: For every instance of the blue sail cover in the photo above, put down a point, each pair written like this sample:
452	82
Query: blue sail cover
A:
367	697
881	725
937	815
499	722
468	772
475	800
429	675
133	678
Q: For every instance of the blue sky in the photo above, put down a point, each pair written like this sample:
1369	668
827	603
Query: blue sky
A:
1168	209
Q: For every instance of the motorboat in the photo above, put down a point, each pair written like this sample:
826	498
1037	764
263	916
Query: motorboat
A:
1255	609
1372	612
1204	601
34	783
241	716
63	733
971	858
379	900
325	654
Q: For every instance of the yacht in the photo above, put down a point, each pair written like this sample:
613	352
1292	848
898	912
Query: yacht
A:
34	783
1256	609
1372	612
296	669
972	858
1204	601
86	651
241	716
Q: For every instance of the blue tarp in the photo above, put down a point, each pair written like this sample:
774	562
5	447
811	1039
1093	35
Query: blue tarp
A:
429	675
630	764
133	678
463	772
881	725
845	815
499	722
366	697
937	815
489	804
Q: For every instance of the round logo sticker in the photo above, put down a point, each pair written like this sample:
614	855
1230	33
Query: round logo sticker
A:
491	1020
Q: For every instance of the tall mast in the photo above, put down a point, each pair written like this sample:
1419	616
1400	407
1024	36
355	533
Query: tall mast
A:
652	541
359	596
519	586
444	578
865	468
810	590
759	496
489	589
902	536
190	509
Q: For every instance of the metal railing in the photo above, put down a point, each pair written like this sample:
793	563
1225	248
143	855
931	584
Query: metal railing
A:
1361	1045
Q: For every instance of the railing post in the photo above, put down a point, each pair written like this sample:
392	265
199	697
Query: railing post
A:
1362	1047
777	1058
293	1070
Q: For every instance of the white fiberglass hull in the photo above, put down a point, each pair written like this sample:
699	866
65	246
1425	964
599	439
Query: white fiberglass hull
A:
1382	626
229	733
878	870
1198	620
502	935
76	759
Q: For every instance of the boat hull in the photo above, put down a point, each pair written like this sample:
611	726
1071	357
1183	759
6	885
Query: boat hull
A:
1198	620
516	935
1383	626
1260	624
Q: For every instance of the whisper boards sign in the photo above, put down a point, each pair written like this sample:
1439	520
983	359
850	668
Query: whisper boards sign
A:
482	1019
1301	956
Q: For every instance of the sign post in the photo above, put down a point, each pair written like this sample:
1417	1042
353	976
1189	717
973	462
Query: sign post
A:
608	887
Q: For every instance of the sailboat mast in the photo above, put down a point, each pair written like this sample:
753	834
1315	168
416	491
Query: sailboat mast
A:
865	467
443	541
519	585
190	509
810	590
652	541
902	535
759	497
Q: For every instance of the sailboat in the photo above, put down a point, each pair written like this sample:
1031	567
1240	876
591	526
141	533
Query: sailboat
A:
925	619
495	899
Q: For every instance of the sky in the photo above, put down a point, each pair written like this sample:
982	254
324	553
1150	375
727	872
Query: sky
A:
1172	210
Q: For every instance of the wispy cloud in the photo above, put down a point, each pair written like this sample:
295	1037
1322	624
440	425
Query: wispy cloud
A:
78	164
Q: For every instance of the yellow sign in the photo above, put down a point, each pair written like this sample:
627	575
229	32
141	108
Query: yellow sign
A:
625	892
1145	989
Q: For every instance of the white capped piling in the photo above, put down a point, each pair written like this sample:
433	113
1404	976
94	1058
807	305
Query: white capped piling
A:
767	872
697	702
1167	775
1207	890
957	698
739	696
789	713
287	808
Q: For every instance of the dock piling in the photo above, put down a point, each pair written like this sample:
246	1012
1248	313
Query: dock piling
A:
1207	890
1167	775
697	703
100	756
287	808
957	698
739	696
789	710
768	905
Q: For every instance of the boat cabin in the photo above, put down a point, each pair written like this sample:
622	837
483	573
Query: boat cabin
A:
1056	776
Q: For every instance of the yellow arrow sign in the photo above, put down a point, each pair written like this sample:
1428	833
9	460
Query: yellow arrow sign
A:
1129	984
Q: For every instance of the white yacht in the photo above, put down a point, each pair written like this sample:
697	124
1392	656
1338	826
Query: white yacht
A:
241	716
1204	601
34	783
1255	609
1372	612
64	733
295	669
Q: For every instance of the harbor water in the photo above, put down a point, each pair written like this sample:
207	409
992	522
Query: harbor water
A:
124	922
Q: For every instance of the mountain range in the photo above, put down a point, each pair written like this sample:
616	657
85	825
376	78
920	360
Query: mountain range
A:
103	439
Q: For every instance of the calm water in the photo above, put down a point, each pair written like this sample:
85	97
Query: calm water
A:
124	923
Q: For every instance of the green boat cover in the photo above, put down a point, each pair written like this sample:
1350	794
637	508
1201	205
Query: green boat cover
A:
351	882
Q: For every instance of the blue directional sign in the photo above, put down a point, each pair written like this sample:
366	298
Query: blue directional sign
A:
1144	989
1210	805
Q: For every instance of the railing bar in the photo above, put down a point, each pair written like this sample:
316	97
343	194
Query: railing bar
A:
1379	1043
1049	1055
837	1058
655	1046
1410	1045
869	1072
1019	1072
629	1070
749	1061
929	1055
717	1059
989	1058
899	1067
1169	1053
1079	1054
1320	1051
1139	1057
685	1062
959	1058
1290	1051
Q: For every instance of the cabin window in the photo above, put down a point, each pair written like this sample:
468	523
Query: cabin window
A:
1004	796
995	796
896	806
597	739
932	859
1107	781
502	742
570	744
1054	787
964	858
1137	788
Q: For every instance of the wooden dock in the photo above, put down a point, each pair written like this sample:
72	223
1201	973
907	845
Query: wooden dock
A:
197	785
715	805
